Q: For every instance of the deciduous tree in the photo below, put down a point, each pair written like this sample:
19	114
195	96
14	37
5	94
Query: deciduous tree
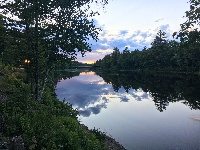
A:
54	31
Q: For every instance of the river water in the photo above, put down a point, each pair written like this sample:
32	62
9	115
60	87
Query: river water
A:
142	112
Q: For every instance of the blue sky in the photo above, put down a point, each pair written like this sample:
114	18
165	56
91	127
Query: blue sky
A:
134	23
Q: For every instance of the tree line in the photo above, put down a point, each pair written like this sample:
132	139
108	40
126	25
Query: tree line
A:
163	55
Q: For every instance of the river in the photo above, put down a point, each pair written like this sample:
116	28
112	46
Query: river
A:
141	111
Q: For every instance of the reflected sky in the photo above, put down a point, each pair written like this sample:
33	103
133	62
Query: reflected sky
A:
131	118
89	93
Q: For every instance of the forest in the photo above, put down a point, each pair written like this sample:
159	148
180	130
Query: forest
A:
163	56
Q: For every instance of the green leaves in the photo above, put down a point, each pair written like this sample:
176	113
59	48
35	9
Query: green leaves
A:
193	20
47	124
49	32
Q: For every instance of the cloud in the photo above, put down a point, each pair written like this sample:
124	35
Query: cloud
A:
123	32
159	20
105	51
123	38
124	99
91	57
101	44
84	93
95	22
92	110
85	113
78	99
120	43
163	27
103	33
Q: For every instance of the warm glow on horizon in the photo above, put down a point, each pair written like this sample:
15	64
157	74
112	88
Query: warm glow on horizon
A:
105	51
88	61
101	82
87	73
93	56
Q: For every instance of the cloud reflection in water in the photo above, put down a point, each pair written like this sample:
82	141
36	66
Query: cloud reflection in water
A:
89	93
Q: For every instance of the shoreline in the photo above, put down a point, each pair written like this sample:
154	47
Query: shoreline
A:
109	142
112	144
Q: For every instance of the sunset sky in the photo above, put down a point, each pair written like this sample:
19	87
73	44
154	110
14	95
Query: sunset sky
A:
134	24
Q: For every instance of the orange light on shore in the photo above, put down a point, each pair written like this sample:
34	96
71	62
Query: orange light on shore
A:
27	61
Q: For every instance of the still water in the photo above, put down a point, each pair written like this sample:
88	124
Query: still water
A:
142	112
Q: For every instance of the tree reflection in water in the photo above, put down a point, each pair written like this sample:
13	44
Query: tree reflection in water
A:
164	89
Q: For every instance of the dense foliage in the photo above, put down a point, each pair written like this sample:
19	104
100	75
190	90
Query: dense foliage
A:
46	34
47	124
36	38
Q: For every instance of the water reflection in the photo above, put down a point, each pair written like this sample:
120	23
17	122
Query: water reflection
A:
90	92
162	88
84	93
126	104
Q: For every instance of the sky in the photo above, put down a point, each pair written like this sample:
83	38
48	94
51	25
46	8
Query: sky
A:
134	24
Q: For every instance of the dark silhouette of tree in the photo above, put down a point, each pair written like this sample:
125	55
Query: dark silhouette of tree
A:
159	40
50	32
164	89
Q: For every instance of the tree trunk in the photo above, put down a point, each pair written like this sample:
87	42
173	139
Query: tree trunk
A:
43	84
36	53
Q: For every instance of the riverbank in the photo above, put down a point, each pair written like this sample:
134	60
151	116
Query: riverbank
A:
17	143
109	142
112	144
46	124
143	71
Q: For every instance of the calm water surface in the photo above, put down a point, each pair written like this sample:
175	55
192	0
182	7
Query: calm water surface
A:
142	112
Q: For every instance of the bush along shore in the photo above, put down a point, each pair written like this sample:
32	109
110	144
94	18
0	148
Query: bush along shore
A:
46	124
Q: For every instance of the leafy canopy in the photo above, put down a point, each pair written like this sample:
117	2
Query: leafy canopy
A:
63	24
